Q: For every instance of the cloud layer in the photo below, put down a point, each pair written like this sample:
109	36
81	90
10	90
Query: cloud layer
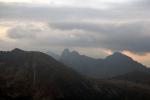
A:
118	27
133	36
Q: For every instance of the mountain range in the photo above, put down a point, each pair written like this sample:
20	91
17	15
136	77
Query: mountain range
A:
35	75
113	65
32	75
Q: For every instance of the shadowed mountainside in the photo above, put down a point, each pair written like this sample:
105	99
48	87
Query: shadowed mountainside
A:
28	75
112	65
139	77
37	75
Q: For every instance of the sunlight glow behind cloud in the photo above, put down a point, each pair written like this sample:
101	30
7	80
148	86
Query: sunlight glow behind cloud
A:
115	25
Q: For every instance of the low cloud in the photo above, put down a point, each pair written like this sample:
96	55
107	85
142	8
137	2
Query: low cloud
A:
119	28
23	32
133	36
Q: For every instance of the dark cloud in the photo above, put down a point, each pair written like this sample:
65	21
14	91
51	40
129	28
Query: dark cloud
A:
126	36
14	11
78	25
42	13
133	36
124	27
145	3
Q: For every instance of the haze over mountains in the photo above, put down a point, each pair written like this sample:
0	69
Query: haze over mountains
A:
55	56
35	75
30	75
113	65
96	28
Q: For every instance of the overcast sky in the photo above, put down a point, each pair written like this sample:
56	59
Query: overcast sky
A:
94	27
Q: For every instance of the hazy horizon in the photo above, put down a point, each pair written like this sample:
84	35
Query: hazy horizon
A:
96	28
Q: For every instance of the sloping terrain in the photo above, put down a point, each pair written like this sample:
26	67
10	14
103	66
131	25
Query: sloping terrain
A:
123	90
34	75
113	65
27	75
140	77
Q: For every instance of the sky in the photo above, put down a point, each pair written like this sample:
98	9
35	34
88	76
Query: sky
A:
96	28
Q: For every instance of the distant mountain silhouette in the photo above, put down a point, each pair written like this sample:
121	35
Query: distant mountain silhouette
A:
28	75
25	75
81	63
112	65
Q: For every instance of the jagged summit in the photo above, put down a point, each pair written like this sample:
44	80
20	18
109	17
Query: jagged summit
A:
113	65
67	52
75	53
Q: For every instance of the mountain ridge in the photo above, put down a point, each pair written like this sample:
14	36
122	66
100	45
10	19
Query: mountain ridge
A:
112	65
32	75
37	71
